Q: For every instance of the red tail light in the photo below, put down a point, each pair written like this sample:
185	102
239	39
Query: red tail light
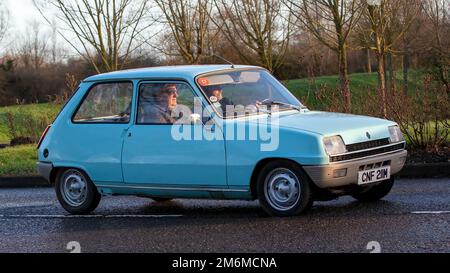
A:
43	135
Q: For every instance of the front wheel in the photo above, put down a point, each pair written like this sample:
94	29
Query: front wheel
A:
284	189
75	191
376	192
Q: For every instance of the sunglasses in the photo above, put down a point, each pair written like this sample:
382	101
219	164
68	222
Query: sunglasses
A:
172	92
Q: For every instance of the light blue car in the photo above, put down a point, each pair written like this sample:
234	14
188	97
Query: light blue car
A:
212	131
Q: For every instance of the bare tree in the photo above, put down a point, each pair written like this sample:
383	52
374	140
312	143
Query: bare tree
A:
331	22
4	64
413	43
438	14
388	21
262	27
190	25
32	50
106	30
57	49
4	20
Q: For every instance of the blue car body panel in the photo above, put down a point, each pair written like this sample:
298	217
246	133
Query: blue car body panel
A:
145	160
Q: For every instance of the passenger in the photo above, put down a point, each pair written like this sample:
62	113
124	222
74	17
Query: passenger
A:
215	94
158	103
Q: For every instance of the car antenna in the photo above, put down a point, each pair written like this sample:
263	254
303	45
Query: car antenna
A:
223	59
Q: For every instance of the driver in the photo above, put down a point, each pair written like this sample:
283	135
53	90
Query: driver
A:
158	103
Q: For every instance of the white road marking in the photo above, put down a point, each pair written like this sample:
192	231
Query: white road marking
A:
88	216
29	204
142	216
431	212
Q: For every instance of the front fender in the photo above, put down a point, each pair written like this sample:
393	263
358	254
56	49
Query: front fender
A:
303	147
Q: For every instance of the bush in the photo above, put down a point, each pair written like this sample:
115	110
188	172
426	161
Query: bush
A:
423	115
19	160
21	141
25	127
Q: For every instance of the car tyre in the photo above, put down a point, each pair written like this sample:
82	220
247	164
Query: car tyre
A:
75	191
284	189
375	193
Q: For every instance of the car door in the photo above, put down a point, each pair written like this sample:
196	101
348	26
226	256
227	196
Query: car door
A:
154	151
93	138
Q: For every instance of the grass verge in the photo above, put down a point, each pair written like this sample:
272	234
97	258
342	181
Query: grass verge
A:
18	160
27	119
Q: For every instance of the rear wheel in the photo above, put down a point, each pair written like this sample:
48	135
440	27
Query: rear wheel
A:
284	189
76	192
376	192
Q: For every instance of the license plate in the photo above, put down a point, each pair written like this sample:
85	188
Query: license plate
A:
374	175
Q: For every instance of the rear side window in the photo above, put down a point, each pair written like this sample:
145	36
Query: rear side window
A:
106	103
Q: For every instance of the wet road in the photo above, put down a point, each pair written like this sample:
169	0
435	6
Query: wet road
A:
415	217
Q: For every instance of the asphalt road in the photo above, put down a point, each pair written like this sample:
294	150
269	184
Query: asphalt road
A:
415	217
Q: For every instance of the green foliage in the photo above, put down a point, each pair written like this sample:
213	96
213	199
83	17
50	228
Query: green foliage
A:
307	89
20	160
25	120
7	65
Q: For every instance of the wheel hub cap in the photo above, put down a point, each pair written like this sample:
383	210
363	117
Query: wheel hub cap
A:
282	189
74	188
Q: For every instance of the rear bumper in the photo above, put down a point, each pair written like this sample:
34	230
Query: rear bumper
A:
323	175
45	169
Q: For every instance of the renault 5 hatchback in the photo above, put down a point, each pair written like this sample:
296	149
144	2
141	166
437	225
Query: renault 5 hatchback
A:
212	131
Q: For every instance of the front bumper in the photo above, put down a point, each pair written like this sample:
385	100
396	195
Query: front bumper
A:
323	177
45	169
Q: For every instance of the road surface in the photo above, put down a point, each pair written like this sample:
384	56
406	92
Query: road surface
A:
415	217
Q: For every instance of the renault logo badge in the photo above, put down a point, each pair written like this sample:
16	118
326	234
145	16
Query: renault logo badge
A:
368	135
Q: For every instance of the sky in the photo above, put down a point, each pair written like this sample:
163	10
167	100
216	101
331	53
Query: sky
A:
22	12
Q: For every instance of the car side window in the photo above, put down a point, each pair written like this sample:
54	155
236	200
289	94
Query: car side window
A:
165	103
106	103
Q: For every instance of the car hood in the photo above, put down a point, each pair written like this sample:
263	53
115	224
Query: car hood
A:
352	128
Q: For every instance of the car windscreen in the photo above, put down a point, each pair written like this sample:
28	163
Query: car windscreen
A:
248	89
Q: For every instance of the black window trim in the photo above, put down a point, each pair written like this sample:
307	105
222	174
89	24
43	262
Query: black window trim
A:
89	91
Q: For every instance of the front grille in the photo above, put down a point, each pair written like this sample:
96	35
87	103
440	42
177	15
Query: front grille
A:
367	145
367	153
374	165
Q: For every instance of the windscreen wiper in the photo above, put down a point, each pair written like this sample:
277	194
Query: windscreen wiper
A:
275	102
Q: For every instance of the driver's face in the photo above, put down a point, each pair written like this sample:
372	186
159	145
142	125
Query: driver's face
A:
169	99
172	99
169	95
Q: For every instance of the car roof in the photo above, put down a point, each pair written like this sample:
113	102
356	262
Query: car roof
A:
179	71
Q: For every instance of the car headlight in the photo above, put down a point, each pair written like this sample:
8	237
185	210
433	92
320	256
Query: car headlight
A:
395	134
334	145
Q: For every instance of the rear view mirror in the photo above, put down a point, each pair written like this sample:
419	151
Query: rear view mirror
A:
250	76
